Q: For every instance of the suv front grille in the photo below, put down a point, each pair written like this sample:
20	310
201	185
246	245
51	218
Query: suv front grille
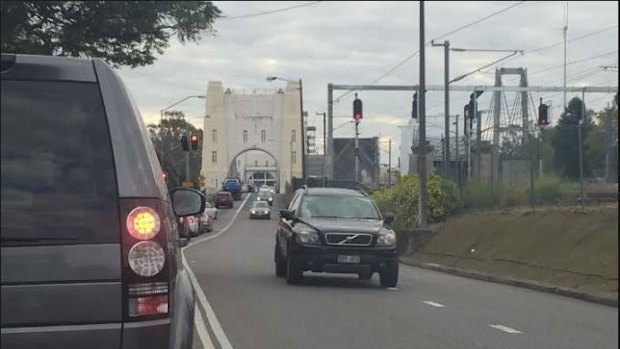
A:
348	239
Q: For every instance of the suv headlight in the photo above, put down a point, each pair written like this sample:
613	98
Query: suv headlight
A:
387	237
308	236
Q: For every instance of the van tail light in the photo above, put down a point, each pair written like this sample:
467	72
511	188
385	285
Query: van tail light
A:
147	263
148	299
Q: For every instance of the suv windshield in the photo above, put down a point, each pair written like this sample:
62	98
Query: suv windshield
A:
338	207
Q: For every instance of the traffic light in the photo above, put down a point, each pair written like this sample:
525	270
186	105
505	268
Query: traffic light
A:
543	114
184	143
194	142
471	110
466	118
357	109
414	106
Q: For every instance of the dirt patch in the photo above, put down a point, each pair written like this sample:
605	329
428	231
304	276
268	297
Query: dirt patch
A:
566	247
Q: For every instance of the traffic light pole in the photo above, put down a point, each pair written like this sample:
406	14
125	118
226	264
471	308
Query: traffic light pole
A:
458	154
357	153
422	221
187	166
390	164
583	116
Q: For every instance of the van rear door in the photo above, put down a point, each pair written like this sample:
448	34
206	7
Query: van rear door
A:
61	252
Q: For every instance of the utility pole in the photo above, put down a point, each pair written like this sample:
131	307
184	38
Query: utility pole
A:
422	221
531	151
583	116
478	116
446	96
565	29
608	144
187	160
390	164
357	152
468	139
458	154
443	149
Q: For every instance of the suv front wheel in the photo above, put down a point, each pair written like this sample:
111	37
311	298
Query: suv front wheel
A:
389	276
293	272
280	264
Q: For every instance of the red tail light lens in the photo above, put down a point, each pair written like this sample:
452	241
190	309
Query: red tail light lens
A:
143	223
150	305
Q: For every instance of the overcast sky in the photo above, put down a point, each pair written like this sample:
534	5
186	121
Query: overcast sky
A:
358	42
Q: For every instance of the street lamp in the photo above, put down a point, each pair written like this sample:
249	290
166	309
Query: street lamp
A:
301	107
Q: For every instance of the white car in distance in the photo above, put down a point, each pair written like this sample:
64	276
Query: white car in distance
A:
211	210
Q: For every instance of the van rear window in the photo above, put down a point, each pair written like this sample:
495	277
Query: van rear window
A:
58	178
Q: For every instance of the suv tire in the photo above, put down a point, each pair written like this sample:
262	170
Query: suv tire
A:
280	264
293	271
389	276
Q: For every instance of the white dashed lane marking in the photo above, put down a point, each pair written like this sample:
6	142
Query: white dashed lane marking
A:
434	304
505	329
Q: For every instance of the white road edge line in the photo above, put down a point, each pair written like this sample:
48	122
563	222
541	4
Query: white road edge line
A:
201	328
202	298
505	329
434	304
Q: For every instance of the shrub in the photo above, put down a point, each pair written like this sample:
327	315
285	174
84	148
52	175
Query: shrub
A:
554	190
402	200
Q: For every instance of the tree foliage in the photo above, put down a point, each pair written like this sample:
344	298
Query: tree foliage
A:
124	33
402	200
566	142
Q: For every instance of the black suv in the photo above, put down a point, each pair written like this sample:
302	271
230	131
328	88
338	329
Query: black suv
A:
337	231
90	246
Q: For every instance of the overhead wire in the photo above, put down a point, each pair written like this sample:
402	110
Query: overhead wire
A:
270	11
391	70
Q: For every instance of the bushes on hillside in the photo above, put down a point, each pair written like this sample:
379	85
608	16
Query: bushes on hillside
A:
402	200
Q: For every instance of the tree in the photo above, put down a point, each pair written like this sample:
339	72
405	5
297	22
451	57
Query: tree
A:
605	130
565	140
123	33
165	137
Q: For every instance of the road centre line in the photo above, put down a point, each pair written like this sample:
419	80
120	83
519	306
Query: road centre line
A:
434	304
505	329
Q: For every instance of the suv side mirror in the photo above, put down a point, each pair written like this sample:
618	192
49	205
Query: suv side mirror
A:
187	202
286	214
389	218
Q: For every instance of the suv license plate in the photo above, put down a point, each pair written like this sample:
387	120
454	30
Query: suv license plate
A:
348	259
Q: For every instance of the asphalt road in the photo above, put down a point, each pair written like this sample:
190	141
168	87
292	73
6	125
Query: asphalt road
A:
255	309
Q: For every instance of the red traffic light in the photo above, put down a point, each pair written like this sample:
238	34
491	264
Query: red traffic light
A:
357	109
194	142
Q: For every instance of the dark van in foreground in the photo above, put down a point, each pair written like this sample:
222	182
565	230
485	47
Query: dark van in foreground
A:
90	246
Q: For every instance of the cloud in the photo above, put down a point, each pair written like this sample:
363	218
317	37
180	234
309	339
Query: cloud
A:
357	42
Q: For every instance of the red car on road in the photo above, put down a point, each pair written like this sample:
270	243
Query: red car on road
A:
224	198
